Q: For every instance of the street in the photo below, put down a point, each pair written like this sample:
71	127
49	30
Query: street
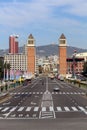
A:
38	101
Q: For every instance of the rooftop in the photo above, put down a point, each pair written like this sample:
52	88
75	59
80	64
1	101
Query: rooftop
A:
62	36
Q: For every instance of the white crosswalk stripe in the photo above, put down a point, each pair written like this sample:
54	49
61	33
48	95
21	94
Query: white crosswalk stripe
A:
5	109
74	109
20	109
51	109
82	109
28	109
13	109
66	109
39	112
55	93
59	109
44	109
36	109
1	108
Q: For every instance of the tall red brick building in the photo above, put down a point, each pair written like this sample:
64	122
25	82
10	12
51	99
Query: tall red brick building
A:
13	44
31	54
62	55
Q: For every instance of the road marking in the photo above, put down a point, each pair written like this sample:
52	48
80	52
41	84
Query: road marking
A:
82	109
36	109
6	103
5	109
74	108
28	109
75	93
1	108
13	109
13	115
43	109
27	115
67	93
20	115
26	92
66	109
59	109
51	93
20	109
51	109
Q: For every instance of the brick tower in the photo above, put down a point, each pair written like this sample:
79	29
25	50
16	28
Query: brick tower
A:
31	54
62	55
13	44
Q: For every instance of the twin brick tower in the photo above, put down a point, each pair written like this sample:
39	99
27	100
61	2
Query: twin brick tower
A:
62	55
31	54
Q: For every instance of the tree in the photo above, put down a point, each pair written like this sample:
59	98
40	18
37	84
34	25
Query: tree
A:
40	69
1	68
6	70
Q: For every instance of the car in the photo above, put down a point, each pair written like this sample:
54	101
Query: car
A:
56	89
61	78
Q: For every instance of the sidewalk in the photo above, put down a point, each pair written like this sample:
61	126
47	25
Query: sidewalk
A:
4	96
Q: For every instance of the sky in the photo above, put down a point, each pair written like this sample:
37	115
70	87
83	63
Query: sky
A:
46	20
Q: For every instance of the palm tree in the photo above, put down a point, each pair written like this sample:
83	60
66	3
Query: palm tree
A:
1	69
6	70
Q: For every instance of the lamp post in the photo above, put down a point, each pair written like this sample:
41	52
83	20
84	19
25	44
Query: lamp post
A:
73	65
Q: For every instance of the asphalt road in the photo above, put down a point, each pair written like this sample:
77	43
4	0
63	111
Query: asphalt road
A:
38	104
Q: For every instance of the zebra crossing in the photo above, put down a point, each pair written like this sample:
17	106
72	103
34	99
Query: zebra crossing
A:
38	112
60	93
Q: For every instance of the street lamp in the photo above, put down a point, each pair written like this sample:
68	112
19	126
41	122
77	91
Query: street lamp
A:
73	64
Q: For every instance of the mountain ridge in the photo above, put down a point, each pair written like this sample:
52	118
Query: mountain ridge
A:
47	50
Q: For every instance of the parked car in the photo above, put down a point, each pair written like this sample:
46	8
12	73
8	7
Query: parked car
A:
60	77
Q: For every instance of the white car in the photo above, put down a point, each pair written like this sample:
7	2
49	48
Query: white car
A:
56	89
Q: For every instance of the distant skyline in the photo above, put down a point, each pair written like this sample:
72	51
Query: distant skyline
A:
45	19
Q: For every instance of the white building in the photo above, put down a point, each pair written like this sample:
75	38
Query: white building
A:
82	55
17	61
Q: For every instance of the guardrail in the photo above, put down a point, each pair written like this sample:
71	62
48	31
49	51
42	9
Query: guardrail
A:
8	85
82	84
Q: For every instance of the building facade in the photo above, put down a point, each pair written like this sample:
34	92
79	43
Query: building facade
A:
62	55
13	44
16	61
76	65
82	55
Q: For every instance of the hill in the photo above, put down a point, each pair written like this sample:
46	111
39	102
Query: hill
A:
47	50
52	49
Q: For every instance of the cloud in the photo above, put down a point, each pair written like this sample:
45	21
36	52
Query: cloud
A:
47	17
17	14
21	13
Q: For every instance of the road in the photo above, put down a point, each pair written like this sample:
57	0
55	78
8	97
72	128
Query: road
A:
38	102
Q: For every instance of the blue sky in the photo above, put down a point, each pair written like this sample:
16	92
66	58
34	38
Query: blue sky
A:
45	19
